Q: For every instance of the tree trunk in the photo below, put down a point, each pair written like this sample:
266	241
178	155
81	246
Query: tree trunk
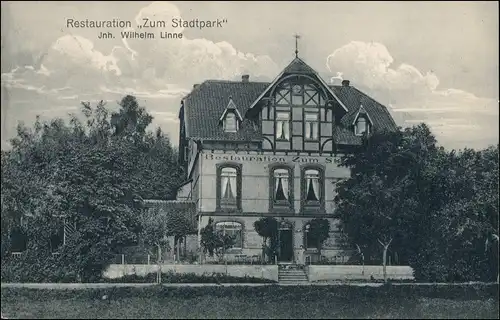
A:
158	261
264	241
178	249
384	257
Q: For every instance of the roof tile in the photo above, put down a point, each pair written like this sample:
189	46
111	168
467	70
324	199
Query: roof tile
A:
207	102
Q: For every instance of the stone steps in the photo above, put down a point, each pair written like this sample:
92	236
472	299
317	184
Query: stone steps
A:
292	275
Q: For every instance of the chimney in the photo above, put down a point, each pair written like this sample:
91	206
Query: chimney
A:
195	85
345	83
245	78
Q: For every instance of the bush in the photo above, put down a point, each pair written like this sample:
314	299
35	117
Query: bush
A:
270	293
30	268
171	277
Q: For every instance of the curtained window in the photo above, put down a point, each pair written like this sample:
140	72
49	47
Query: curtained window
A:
228	186
313	192
283	125
230	123
361	126
311	126
234	230
281	186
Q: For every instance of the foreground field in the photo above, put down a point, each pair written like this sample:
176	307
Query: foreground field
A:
251	302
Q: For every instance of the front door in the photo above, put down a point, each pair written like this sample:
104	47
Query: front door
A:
286	245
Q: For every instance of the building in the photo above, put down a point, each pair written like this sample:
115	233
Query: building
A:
254	149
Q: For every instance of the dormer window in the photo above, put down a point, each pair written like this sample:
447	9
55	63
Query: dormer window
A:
230	123
362	122
361	127
230	118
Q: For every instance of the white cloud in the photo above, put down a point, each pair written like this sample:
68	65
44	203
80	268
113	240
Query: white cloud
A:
458	118
158	72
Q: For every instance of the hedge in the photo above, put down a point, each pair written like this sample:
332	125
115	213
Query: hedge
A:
272	292
171	277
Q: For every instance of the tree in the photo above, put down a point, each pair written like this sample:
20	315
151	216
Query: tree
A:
179	227
433	207
154	231
92	174
463	198
318	230
267	228
378	205
214	241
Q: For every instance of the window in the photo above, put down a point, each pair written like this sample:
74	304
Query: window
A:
309	241
312	189
229	187
281	186
311	126
234	230
312	185
361	126
230	122
283	126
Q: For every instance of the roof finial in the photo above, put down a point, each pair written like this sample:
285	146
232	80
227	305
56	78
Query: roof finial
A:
297	37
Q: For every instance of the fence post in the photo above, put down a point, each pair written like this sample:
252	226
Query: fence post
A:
148	258
123	259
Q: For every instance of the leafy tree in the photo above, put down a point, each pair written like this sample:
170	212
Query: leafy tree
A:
90	172
318	230
267	228
463	195
433	207
214	241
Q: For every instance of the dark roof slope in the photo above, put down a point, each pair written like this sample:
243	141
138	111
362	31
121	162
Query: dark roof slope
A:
353	98
206	103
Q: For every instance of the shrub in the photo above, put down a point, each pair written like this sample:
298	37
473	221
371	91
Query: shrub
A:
270	293
171	277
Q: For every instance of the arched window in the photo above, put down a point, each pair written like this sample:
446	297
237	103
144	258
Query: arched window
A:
281	185
361	126
313	187
228	186
234	230
230	122
309	241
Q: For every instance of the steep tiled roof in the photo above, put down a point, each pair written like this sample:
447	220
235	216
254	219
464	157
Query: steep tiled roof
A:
353	99
298	66
207	102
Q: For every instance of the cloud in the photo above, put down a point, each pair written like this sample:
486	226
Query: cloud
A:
158	72
458	118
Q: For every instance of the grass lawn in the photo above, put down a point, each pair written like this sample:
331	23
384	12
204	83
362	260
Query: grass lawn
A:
231	302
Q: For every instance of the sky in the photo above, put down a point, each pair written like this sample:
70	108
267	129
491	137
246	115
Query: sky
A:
432	62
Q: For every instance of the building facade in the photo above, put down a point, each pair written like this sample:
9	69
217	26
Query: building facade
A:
254	149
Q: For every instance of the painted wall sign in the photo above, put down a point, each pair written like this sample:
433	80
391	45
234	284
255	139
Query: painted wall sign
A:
271	158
